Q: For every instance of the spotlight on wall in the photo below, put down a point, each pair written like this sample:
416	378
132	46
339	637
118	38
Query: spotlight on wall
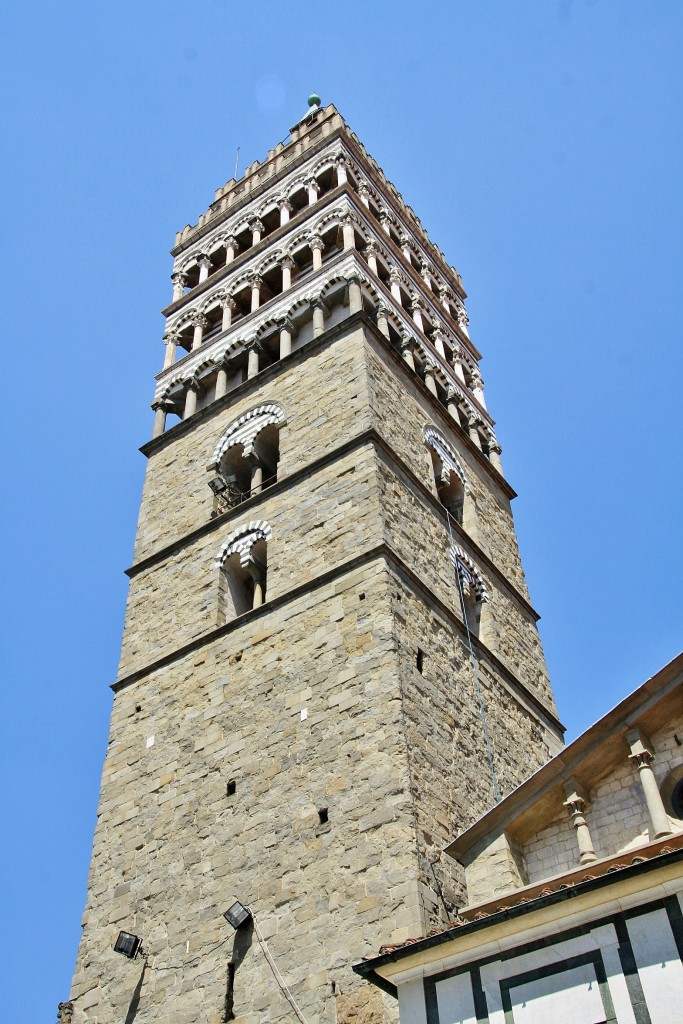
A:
128	945
217	484
237	915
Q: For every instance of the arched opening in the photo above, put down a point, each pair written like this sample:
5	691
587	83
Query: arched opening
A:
449	487
243	585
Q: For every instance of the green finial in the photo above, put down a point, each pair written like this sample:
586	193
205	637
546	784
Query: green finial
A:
313	100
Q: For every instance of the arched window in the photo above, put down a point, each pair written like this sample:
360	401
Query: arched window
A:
451	483
245	460
472	589
243	565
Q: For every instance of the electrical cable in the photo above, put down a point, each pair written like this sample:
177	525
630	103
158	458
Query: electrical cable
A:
271	963
477	688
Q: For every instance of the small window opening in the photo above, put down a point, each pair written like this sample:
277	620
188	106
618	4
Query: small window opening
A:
419	660
322	815
232	787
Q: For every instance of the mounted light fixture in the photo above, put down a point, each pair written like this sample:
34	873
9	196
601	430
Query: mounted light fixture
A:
128	945
217	484
237	915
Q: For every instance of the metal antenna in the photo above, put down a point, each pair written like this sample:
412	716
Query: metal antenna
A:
237	161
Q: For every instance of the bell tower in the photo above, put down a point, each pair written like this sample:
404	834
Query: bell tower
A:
330	664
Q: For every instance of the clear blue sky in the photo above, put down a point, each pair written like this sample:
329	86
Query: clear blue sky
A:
539	142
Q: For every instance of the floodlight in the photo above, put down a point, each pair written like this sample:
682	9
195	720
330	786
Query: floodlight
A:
237	915
128	945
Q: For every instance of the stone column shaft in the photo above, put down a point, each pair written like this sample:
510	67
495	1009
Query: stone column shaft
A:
255	294
317	253
430	379
355	296
285	338
642	756
575	804
253	360
190	401
159	419
204	267
171	343
318	318
349	235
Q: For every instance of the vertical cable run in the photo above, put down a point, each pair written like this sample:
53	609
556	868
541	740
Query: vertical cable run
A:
477	688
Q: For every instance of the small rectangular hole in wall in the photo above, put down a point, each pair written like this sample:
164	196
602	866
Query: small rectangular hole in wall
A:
323	815
361	597
232	786
420	660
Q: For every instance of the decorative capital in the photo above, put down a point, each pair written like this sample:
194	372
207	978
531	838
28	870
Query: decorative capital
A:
254	345
285	324
372	248
461	316
452	393
256	224
194	384
476	380
203	259
284	204
228	302
312	183
407	342
199	319
255	280
171	337
395	275
316	242
287	263
231	243
177	277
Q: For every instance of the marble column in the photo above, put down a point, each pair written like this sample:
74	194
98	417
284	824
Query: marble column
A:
254	351
229	307
348	234
231	248
407	349
224	368
191	395
430	379
382	322
318	307
371	254
171	343
342	176
204	266
178	285
313	189
316	244
575	804
200	323
287	267
642	756
255	282
355	295
285	212
286	333
256	231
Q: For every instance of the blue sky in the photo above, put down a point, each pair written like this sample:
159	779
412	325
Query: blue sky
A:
540	144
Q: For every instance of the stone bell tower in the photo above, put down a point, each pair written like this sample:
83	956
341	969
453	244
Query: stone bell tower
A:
330	664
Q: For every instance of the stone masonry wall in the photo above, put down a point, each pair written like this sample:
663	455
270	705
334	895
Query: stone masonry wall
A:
319	523
421	538
176	496
400	411
449	769
172	849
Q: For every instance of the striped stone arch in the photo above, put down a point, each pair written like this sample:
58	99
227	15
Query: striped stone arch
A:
449	459
245	429
470	577
241	541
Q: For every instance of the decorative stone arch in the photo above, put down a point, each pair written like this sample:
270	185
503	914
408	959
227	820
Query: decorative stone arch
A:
471	580
449	459
242	570
270	260
244	430
293	186
241	541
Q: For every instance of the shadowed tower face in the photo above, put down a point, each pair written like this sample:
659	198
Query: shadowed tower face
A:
325	551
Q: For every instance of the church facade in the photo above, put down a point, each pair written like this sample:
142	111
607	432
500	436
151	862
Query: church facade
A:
330	664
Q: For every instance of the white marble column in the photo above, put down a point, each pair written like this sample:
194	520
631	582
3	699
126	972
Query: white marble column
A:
382	322
171	343
642	756
457	363
286	328
254	351
318	307
256	231
494	456
355	295
255	282
575	804
224	368
256	475
287	267
178	280
453	403
430	379
204	264
407	349
316	244
161	409
371	251
259	578
439	340
385	222
473	430
478	389
364	193
200	323
405	247
342	176
348	233
229	307
285	212
313	189
193	389
231	248
416	311
395	283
